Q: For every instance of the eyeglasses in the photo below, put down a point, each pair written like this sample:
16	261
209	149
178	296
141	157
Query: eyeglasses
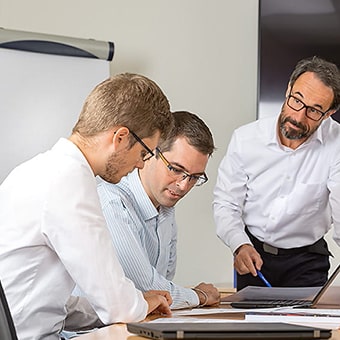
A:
181	175
311	112
149	153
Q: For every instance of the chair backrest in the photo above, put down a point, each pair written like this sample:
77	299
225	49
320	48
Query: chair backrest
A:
7	329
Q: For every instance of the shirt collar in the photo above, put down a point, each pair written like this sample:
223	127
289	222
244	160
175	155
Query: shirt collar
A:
67	147
146	207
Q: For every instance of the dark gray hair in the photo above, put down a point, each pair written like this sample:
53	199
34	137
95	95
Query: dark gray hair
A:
326	71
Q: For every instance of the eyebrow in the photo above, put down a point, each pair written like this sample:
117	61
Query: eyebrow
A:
317	106
177	165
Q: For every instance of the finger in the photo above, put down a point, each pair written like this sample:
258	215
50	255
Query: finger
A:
244	263
157	304
258	262
164	293
163	306
240	264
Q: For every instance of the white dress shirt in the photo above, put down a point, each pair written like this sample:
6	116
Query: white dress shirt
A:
145	239
287	198
53	235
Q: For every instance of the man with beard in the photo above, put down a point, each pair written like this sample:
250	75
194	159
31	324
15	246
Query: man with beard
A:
53	232
140	211
278	186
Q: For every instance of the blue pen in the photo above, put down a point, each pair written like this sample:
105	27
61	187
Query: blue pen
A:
260	275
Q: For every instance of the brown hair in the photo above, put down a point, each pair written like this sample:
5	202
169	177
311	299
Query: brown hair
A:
193	128
129	100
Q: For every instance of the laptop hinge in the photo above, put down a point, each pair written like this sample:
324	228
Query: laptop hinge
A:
180	334
317	333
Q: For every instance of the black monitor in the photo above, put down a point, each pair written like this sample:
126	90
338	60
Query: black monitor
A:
290	30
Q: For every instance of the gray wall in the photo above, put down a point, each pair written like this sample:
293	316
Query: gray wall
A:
202	53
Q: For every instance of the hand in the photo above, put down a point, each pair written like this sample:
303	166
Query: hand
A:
159	302
247	260
212	293
164	293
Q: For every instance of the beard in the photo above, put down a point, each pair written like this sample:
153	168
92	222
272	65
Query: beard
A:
113	166
300	130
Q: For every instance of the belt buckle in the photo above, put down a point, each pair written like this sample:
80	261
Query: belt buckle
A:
270	249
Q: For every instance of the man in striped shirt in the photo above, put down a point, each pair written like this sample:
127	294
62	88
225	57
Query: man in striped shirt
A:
140	212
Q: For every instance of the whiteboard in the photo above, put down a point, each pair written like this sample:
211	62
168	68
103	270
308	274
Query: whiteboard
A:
41	96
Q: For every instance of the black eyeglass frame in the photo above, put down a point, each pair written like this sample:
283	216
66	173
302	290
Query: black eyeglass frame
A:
150	153
304	106
199	179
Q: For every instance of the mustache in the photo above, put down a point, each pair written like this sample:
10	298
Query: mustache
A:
295	123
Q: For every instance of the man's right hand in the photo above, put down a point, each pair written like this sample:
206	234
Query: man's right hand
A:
247	260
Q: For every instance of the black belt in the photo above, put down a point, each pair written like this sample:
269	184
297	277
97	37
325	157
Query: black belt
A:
319	247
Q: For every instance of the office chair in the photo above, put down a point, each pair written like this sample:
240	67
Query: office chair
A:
7	329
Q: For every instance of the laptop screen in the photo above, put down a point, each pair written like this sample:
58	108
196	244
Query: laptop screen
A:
262	297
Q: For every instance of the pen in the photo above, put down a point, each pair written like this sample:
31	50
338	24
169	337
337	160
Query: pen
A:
260	275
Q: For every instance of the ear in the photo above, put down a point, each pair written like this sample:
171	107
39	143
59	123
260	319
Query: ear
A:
120	137
329	113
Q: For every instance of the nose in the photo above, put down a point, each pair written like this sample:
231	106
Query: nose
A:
184	184
140	164
303	113
300	115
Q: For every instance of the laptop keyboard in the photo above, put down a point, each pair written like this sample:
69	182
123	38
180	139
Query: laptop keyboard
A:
271	303
288	302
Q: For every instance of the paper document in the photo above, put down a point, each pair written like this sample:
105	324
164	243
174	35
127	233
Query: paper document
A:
322	318
325	322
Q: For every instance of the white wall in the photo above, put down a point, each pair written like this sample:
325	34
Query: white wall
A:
203	53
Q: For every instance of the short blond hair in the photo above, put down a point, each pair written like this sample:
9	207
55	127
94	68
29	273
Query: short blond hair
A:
129	100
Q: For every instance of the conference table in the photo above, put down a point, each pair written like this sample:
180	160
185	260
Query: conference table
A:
119	332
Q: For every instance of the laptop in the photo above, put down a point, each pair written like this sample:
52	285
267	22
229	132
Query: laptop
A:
226	330
272	297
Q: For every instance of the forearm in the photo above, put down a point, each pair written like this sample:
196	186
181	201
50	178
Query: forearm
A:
146	278
228	203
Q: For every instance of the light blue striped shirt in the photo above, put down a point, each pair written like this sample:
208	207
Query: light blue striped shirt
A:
145	238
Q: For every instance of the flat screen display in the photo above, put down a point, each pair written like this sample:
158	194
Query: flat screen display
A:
290	30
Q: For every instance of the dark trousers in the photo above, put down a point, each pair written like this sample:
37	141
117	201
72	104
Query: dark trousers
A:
306	268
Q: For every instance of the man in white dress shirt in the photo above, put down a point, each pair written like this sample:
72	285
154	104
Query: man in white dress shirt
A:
278	186
140	211
53	232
